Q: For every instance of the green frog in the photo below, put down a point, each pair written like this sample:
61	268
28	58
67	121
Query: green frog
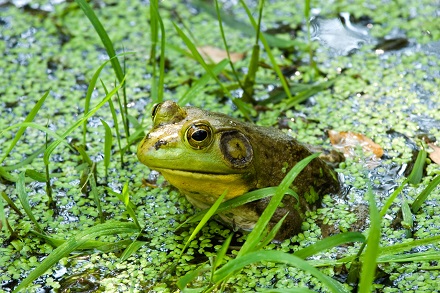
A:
204	153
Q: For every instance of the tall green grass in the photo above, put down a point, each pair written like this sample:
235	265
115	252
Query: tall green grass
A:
157	27
74	243
364	262
108	45
252	250
85	239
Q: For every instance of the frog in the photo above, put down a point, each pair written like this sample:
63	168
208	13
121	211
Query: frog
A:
205	154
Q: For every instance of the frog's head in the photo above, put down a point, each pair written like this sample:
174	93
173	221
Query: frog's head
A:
199	152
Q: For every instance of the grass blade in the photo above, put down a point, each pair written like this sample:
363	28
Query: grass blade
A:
240	104
245	28
392	197
221	253
4	174
417	172
107	146
329	242
289	290
190	276
406	246
132	248
124	113
312	63
124	197
84	156
88	98
426	256
199	57
268	51
37	176
109	228
54	144
304	95
24	200
266	238
424	194
95	193
414	178
199	85
3	222
369	264
115	124
407	217
281	190
35	126
105	39
108	45
249	80
154	36
157	19
278	257
128	204
22	129
26	161
204	220
225	43
234	202
11	204
88	245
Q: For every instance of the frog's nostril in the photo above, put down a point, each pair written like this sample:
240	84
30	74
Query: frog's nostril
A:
160	143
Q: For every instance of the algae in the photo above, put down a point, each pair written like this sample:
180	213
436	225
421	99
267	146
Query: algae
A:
53	47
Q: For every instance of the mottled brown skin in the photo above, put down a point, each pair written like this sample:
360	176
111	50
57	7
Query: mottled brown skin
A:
239	157
278	148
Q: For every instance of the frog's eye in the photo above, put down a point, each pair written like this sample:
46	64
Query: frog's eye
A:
199	135
167	112
154	110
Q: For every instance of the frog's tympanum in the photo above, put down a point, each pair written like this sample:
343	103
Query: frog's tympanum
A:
204	153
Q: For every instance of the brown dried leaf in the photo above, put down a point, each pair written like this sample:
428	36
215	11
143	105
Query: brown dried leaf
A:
215	55
435	154
346	141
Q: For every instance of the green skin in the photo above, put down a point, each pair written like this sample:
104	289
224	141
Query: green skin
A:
204	153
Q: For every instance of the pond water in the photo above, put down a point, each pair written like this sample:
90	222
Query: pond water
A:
381	57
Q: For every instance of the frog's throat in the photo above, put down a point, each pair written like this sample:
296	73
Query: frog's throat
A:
205	188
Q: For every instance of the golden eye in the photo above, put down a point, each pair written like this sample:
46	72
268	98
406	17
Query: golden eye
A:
199	135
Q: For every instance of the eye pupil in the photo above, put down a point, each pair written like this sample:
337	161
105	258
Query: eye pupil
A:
199	135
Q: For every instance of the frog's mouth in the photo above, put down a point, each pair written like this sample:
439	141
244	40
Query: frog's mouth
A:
211	184
189	172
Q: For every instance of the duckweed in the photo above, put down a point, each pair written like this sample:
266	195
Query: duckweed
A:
374	94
